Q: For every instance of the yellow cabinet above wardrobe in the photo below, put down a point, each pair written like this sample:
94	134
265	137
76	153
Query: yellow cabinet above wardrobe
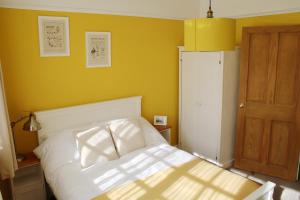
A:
209	34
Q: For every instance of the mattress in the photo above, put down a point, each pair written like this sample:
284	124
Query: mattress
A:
71	182
196	179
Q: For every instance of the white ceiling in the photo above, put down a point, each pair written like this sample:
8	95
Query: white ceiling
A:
170	9
243	8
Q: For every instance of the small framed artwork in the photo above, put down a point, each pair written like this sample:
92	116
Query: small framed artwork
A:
54	36
160	120
98	49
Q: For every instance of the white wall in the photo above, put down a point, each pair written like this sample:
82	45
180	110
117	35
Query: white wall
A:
172	9
242	8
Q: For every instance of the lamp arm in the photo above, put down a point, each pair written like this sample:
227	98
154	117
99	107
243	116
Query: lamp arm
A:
13	124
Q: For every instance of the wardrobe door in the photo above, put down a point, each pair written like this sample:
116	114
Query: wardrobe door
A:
201	100
189	71
268	119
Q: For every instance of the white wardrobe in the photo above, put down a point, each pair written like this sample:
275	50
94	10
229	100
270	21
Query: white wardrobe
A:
208	104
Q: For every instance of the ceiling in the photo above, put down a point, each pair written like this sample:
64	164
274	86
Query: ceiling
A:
169	9
244	8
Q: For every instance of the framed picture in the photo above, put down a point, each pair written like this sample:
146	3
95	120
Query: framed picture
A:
54	36
160	120
98	49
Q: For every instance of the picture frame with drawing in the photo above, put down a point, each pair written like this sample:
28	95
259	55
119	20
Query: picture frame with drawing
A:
160	120
54	36
98	49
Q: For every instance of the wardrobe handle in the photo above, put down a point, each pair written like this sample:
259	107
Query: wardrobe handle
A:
242	105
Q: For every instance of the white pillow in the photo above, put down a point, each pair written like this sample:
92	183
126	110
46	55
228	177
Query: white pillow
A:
57	150
95	144
127	135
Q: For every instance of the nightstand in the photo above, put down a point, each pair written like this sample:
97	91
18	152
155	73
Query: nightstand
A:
28	182
165	131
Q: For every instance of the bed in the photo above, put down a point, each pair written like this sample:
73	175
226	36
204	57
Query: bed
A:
156	171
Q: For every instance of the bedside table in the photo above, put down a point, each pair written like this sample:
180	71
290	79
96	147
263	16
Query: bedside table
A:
165	131
28	182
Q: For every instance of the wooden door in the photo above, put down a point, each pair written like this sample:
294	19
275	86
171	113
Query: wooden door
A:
201	102
269	116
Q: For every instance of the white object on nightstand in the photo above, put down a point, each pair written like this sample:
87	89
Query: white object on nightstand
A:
28	182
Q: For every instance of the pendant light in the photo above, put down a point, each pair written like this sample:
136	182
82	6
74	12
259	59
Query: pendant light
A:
209	34
210	13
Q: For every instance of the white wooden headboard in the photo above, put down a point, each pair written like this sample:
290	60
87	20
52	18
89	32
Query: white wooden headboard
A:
69	117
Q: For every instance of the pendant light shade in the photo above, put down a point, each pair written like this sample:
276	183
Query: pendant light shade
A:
215	34
209	34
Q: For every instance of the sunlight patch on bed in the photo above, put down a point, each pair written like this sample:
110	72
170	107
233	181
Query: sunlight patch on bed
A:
85	151
142	165
110	182
229	183
79	134
209	193
106	175
153	181
204	171
172	159
137	159
152	169
155	151
206	194
97	139
129	128
215	195
130	192
183	188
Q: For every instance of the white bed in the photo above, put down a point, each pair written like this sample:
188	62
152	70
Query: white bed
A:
70	181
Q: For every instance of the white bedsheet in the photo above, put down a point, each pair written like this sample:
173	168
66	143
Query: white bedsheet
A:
70	182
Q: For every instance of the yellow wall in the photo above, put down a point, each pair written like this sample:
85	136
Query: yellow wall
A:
281	19
144	62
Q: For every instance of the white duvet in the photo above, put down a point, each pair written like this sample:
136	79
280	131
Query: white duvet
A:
70	182
61	163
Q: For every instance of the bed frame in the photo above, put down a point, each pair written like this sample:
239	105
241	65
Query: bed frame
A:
264	192
69	117
74	116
